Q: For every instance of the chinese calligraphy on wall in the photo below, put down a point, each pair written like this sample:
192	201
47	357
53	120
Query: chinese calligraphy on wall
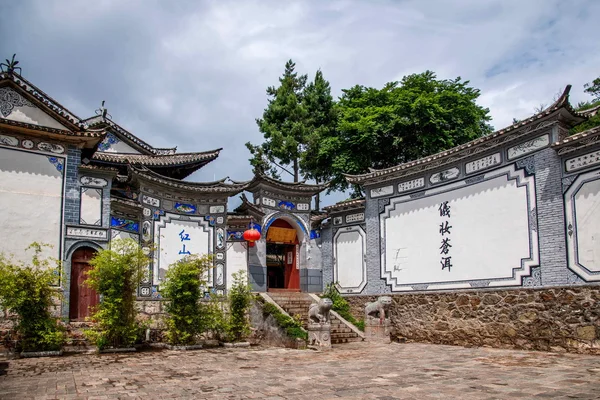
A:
445	227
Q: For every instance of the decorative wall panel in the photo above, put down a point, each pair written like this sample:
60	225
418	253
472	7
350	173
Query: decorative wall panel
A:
90	206
176	236
582	207
349	268
458	233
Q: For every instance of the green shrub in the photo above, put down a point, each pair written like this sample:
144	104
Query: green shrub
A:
213	318
341	306
26	290
291	326
240	300
182	289
115	275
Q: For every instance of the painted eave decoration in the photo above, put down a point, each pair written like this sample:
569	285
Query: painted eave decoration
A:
561	108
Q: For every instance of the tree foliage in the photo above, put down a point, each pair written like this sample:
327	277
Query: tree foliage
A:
27	292
593	89
283	125
115	275
403	121
366	128
183	289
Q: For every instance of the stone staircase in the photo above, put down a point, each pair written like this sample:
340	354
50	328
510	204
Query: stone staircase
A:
297	304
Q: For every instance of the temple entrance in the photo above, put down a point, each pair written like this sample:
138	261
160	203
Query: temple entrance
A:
282	266
82	297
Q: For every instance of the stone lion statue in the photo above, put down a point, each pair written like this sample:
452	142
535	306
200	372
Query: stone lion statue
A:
379	309
319	312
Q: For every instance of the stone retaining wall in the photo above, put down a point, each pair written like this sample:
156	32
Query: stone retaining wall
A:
554	319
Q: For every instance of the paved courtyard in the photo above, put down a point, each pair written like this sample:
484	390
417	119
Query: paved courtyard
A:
354	371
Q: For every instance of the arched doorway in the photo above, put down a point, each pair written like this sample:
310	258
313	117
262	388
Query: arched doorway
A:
81	297
282	264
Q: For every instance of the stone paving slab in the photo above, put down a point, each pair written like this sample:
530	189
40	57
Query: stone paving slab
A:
352	371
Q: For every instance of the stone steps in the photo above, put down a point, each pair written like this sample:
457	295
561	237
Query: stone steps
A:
299	303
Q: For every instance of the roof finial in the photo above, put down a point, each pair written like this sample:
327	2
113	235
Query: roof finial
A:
103	111
10	65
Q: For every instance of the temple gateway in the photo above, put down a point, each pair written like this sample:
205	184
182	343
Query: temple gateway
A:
517	208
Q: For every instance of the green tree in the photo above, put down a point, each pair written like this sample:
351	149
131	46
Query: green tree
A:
26	291
283	125
182	289
403	121
115	275
320	123
593	89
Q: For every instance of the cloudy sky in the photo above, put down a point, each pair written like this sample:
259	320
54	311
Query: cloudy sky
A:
193	73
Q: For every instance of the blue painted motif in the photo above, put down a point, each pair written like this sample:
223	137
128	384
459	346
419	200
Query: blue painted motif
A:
211	220
286	205
235	235
108	141
157	214
58	163
278	215
315	234
155	293
254	225
185	208
125	224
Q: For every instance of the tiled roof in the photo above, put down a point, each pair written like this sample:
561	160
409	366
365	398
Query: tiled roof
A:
157	160
43	99
346	205
578	141
247	205
99	120
217	187
452	154
302	187
126	202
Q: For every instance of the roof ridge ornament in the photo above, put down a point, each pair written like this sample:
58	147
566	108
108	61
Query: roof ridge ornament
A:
11	65
103	112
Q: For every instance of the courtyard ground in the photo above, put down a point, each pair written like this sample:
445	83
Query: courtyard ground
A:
353	371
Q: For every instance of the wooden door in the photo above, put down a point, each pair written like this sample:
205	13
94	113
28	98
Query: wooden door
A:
292	274
82	297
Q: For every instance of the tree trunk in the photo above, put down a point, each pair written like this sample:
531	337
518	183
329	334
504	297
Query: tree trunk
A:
296	170
317	197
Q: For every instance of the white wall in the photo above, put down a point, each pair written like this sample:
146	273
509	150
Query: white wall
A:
237	260
350	271
489	234
170	234
31	198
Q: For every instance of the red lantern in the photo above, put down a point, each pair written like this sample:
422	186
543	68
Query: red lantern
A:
251	235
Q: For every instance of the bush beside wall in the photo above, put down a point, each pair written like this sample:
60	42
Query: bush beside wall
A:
556	319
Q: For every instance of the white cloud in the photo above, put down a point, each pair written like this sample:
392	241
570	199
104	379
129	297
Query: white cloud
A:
194	74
